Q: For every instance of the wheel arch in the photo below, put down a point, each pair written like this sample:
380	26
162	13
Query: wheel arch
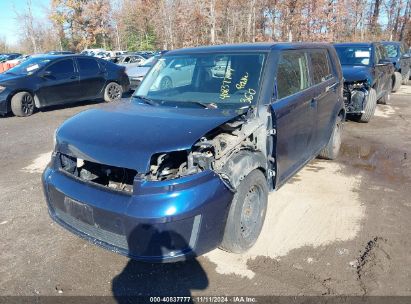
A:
239	165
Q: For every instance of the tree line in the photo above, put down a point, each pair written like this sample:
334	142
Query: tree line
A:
169	24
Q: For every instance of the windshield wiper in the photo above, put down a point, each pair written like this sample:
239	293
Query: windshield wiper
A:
149	101
205	105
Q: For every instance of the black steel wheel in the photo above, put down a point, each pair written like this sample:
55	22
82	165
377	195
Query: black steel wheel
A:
247	213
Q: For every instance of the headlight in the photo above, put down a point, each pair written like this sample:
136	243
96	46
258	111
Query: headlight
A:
2	88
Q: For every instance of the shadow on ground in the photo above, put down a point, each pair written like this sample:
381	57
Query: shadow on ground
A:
157	279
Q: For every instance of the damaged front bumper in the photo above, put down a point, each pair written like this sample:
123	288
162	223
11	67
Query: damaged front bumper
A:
160	221
355	100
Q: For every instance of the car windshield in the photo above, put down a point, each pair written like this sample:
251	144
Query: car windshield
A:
391	50
29	66
354	55
219	80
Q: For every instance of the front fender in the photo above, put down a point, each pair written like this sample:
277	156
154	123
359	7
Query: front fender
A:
239	165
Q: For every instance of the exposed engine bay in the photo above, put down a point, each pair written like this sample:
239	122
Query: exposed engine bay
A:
213	150
355	96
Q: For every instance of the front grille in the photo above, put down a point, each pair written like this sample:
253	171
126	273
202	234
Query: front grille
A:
111	177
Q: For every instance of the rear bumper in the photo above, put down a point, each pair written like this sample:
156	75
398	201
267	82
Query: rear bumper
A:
161	222
135	82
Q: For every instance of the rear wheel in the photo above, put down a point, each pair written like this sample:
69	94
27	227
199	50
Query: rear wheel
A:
331	150
406	78
22	104
166	83
396	81
113	92
247	213
370	105
385	99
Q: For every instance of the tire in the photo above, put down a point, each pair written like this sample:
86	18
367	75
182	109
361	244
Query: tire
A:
406	78
385	99
396	81
22	104
331	150
113	92
166	83
370	106
247	213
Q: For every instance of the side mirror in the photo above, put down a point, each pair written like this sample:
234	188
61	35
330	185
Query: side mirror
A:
178	66
406	56
383	62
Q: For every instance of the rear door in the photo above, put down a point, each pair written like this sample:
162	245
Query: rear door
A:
295	111
92	77
60	83
325	86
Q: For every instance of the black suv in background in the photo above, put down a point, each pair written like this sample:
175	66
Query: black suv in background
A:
47	80
398	54
368	75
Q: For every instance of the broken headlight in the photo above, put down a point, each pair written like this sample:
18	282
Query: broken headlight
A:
165	166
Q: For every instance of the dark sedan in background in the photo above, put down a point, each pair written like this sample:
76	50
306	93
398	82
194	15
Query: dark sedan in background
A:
47	80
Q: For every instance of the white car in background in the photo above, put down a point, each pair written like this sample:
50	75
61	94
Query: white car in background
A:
177	73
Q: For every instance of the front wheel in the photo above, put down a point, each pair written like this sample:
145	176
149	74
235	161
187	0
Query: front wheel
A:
247	213
370	105
22	104
113	92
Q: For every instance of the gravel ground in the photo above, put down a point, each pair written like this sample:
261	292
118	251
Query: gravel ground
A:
337	228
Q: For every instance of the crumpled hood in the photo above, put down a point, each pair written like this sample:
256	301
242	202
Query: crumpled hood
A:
128	134
357	72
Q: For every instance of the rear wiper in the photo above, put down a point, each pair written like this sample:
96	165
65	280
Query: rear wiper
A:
146	100
206	105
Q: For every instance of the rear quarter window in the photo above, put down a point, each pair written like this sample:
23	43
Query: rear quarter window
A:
292	73
320	64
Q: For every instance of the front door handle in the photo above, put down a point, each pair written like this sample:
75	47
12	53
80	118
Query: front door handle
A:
313	103
331	87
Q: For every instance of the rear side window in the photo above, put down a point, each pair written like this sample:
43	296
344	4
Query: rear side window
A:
320	64
292	73
65	66
88	66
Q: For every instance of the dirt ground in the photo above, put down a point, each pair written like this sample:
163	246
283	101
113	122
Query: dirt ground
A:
337	228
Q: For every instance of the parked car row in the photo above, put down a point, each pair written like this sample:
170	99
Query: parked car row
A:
45	80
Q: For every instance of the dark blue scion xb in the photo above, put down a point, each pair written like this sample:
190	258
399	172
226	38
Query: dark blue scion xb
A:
186	165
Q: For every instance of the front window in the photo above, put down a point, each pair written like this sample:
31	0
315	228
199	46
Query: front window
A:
220	80
29	66
354	55
392	50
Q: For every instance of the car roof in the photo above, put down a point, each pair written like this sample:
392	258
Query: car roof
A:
55	57
244	47
391	42
354	43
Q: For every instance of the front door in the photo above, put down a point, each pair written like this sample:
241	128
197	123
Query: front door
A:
59	83
294	113
325	85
